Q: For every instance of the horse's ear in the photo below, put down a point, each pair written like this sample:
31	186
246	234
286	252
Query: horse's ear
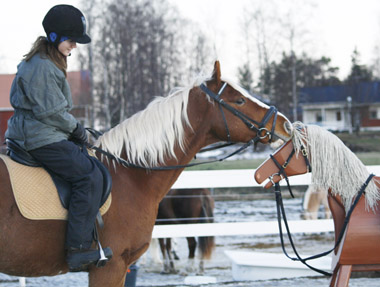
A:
216	73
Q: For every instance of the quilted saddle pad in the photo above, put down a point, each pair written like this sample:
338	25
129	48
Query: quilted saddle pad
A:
35	192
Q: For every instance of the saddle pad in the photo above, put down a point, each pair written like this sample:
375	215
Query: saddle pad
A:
35	192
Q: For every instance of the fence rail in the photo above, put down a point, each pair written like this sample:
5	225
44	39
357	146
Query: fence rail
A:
231	179
237	178
240	228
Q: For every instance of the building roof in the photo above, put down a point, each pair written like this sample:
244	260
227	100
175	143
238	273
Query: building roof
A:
79	82
361	93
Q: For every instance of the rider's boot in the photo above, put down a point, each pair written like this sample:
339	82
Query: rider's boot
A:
80	259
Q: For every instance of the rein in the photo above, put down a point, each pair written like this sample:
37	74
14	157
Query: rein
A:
281	214
261	133
127	164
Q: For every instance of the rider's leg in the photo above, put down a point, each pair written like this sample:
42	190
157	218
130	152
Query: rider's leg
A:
68	161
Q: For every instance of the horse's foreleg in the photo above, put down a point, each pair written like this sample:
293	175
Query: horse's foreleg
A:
165	267
154	251
112	274
192	244
326	205
169	255
201	269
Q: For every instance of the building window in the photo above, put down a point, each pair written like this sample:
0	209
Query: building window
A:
318	117
373	114
338	116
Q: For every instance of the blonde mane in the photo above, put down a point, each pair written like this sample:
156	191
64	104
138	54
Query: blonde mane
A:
150	136
334	165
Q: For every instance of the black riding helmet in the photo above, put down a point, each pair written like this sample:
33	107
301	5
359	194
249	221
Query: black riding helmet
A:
64	22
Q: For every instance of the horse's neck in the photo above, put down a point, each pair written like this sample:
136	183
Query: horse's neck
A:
196	137
195	140
159	182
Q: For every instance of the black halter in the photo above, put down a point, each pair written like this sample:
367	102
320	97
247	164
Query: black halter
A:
259	127
282	215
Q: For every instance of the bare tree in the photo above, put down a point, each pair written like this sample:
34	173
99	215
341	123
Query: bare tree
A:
260	32
137	53
294	24
275	27
375	67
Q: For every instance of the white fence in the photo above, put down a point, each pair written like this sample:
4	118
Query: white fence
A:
238	178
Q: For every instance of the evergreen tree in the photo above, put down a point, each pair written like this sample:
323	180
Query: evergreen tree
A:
245	77
277	78
359	73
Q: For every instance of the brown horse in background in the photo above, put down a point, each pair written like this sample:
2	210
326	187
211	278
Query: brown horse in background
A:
169	132
312	200
185	206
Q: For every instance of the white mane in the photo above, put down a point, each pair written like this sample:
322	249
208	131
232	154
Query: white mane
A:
334	165
150	136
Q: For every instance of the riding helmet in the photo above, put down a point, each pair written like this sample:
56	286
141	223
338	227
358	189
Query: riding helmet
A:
64	22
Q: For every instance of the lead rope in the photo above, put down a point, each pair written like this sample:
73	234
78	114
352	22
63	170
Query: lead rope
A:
281	212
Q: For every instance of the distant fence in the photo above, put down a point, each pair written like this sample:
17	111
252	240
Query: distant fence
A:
233	179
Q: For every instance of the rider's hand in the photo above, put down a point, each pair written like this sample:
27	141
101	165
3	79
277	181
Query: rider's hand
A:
79	134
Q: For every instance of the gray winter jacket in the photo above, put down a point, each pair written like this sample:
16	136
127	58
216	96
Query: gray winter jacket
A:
41	98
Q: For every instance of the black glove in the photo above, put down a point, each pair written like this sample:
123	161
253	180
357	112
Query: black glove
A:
79	134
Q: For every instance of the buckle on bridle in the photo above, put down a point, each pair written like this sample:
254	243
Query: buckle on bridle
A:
271	178
273	175
267	133
304	152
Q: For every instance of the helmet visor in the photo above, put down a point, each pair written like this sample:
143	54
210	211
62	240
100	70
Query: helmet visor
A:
84	39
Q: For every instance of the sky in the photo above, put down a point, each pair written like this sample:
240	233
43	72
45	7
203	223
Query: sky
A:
335	28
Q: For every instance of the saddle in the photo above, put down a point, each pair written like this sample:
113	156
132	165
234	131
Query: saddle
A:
22	157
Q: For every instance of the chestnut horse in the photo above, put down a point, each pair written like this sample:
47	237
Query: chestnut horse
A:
185	206
312	200
336	169
169	132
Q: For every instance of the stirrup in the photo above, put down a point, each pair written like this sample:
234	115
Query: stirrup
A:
103	259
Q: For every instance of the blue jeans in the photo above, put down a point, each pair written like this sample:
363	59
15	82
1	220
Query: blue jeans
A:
67	160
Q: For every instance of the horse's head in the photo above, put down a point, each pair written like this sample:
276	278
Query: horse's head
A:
239	117
285	159
334	165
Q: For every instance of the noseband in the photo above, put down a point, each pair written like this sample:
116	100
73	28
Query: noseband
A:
281	168
259	127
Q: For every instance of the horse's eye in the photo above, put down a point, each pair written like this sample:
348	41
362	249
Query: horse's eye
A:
240	101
